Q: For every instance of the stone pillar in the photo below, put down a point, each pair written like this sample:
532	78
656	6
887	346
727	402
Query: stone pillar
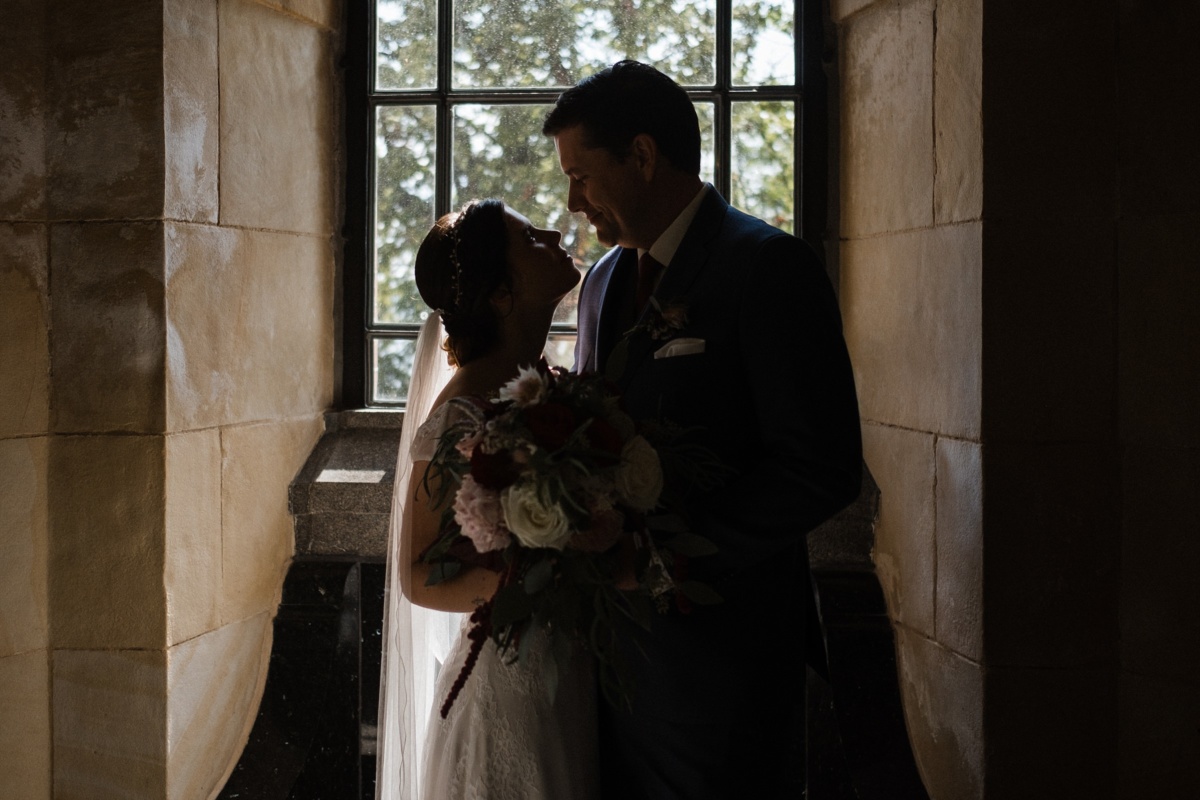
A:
171	231
1019	199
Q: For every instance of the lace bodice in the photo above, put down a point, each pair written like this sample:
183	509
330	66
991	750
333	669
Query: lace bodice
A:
425	440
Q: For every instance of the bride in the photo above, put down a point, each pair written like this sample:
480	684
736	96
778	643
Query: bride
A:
495	281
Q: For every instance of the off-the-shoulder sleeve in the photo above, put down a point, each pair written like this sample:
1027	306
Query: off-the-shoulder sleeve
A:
425	440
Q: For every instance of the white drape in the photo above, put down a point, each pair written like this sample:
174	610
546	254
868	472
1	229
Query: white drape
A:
415	640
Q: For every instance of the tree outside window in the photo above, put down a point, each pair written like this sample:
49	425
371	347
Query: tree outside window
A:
457	92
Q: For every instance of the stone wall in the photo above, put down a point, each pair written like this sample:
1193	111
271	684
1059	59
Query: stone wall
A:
1018	217
167	201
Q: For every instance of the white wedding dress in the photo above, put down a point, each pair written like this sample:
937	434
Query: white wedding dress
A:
509	734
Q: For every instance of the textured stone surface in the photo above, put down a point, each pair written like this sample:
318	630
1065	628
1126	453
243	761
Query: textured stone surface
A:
1160	121
959	595
106	79
193	533
342	534
106	543
887	158
25	726
1160	618
1049	324
276	120
249	325
190	110
326	13
24	330
840	9
1051	732
944	708
110	724
23	546
109	338
902	463
23	110
1159	740
1050	142
258	463
214	684
1159	338
958	111
912	305
1051	555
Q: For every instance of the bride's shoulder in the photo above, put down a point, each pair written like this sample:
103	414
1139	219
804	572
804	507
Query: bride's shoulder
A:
447	413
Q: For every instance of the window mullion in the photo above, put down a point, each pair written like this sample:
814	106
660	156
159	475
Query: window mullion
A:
722	121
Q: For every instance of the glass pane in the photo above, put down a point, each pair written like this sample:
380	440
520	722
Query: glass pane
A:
405	44
405	157
764	42
391	369
763	161
549	43
560	350
707	112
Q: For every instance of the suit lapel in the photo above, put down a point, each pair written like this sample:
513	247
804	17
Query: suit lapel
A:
609	327
686	266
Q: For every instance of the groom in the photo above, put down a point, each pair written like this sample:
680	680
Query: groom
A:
761	369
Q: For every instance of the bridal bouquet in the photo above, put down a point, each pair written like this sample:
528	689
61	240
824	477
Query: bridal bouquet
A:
558	489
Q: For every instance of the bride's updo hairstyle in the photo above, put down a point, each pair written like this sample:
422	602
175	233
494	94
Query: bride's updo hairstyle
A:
459	266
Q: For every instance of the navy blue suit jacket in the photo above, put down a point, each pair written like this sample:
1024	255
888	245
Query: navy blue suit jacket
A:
772	395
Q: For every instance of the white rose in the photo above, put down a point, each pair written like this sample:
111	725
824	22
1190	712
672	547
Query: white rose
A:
639	479
534	523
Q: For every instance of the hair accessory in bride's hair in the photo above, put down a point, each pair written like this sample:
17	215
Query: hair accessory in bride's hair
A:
456	272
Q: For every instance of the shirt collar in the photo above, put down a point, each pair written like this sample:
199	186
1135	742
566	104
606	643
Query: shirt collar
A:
664	247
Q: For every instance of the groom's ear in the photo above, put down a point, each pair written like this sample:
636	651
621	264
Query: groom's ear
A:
644	151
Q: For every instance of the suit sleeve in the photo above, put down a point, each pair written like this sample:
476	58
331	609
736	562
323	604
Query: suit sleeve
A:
797	369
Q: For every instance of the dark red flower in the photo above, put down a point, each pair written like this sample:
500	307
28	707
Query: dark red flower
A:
493	470
603	436
551	424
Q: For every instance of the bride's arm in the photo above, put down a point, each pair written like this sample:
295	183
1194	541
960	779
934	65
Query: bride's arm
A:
470	588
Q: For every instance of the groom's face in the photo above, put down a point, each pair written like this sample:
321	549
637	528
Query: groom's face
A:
602	186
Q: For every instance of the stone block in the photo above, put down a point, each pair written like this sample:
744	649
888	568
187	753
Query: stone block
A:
109	338
193	533
24	330
913	324
250	326
25	726
887	153
839	10
110	720
958	111
326	13
1159	340
214	685
106	76
258	463
190	110
959	595
24	542
1160	618
277	121
1051	555
106	542
1159	745
1049	327
1158	119
1049	140
905	557
1051	732
943	705
23	109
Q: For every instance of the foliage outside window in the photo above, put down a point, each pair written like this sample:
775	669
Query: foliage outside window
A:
458	92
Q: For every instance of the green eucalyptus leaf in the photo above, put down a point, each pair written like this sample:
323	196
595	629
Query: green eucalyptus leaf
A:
700	593
691	545
539	576
442	571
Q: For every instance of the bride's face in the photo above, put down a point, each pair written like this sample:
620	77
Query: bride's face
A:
542	271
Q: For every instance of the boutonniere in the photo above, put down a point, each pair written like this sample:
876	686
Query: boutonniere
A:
661	323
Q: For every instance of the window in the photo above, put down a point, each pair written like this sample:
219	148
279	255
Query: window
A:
446	104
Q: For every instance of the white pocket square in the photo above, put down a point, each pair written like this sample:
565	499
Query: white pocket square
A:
680	347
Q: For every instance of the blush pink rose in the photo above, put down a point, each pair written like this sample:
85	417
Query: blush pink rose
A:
479	513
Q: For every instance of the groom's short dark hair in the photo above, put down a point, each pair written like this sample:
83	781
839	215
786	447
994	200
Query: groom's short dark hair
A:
628	98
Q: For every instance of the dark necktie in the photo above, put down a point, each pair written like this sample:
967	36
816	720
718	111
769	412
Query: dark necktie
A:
648	270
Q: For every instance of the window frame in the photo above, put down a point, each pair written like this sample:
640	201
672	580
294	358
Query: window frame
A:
361	100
